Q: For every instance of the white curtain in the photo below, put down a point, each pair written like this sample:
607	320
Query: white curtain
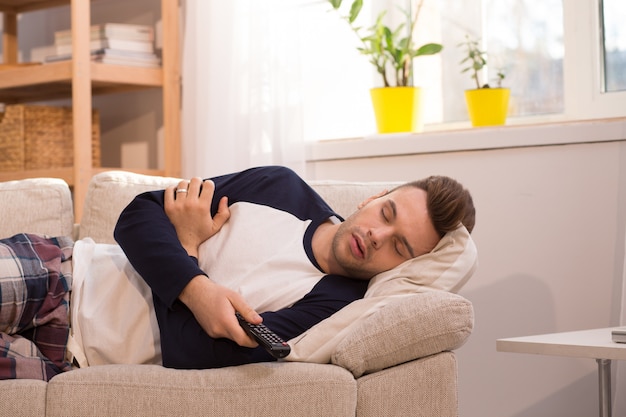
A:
241	85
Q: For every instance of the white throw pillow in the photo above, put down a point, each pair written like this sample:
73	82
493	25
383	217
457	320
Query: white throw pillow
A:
113	319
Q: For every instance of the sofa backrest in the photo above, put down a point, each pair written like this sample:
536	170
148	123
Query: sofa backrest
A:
109	192
107	195
44	205
345	196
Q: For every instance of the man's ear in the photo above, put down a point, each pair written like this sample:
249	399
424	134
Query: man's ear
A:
372	198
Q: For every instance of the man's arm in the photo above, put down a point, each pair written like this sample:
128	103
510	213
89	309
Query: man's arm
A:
214	306
188	207
164	251
151	244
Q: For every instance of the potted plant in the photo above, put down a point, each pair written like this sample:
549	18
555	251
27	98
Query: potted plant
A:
397	105
486	105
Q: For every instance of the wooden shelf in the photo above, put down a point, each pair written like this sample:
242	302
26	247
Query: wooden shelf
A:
21	6
80	79
54	80
66	174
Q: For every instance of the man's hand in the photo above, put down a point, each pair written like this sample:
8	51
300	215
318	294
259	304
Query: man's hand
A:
214	308
213	305
189	210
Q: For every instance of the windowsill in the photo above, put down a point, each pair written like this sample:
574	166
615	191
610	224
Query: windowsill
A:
470	139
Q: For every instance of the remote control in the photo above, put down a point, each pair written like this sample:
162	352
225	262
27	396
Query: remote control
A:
276	346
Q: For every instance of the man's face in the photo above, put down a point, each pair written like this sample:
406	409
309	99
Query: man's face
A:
383	233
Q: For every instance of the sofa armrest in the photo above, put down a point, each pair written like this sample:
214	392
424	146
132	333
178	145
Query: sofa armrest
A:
36	205
405	329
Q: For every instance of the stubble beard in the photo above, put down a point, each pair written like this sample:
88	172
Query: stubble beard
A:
352	267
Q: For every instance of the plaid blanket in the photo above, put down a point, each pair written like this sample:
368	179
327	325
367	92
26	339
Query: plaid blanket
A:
35	281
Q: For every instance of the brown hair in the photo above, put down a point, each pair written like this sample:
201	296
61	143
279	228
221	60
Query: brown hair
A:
448	203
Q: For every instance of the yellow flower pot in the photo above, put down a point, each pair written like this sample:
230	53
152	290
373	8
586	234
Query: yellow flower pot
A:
487	106
397	109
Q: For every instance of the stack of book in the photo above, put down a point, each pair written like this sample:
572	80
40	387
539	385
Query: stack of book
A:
112	43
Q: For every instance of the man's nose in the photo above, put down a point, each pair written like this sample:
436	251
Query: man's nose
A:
378	235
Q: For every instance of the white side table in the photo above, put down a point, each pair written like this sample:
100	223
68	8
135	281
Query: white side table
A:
594	344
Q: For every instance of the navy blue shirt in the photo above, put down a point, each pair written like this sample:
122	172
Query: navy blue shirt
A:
150	242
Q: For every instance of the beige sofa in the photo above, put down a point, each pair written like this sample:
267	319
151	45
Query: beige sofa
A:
397	362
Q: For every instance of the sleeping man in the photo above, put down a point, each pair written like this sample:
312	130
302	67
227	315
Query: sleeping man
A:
272	250
260	242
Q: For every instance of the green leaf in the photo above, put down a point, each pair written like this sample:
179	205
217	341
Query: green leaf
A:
387	49
388	37
335	3
399	58
429	49
355	9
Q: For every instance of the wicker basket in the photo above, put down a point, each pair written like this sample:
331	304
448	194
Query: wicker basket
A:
40	137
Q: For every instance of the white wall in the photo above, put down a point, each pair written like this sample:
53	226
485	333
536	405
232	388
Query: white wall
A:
550	234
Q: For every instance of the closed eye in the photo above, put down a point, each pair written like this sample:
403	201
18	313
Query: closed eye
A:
399	248
402	238
384	215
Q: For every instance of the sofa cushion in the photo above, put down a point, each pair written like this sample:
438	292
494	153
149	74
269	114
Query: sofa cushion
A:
447	267
23	397
266	389
37	205
425	387
406	328
108	194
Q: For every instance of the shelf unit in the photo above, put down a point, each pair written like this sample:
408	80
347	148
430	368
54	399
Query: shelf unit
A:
80	79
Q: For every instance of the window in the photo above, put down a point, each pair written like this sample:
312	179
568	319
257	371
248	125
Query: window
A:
613	15
522	38
550	50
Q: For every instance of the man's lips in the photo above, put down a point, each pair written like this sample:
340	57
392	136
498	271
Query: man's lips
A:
357	246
